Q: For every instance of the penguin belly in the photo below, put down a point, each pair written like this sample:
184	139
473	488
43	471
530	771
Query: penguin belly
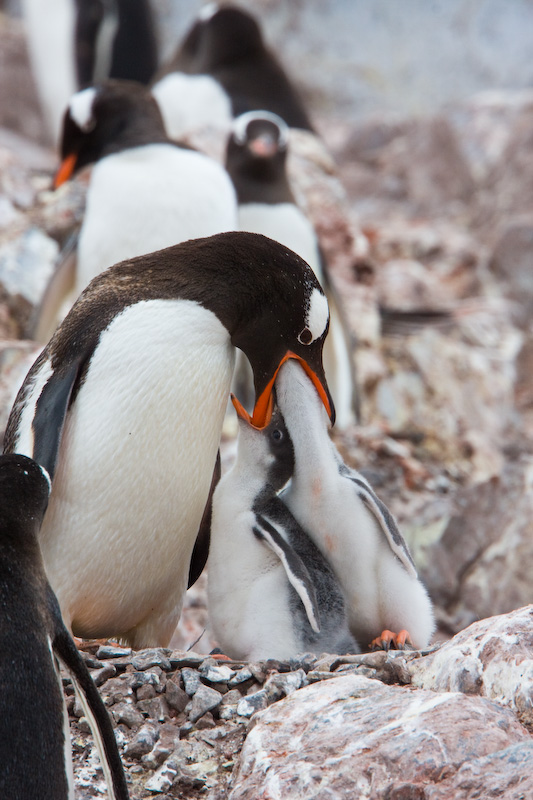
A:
134	470
147	198
249	598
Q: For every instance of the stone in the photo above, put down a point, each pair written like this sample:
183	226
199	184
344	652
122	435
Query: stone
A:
252	703
355	737
101	675
151	677
127	713
191	680
154	708
242	676
143	742
205	699
480	563
492	658
176	698
145	659
110	651
216	674
179	659
169	737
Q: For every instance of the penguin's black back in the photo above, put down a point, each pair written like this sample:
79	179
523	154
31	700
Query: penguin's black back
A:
32	739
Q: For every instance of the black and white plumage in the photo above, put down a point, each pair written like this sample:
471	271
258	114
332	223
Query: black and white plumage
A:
145	192
271	592
114	39
35	754
125	406
354	530
73	43
256	162
224	65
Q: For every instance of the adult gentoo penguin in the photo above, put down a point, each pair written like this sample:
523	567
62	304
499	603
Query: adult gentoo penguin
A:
145	192
354	530
256	162
271	592
35	757
232	71
125	405
114	39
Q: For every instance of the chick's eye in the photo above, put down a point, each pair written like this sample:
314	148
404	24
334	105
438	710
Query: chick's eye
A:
305	336
277	435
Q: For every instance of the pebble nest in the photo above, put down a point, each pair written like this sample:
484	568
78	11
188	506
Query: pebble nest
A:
181	718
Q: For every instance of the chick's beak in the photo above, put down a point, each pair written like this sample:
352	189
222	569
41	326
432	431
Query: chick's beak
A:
263	408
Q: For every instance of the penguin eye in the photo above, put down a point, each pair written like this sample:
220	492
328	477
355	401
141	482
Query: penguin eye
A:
305	336
277	435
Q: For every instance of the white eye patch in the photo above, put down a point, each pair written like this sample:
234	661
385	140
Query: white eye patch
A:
81	108
316	319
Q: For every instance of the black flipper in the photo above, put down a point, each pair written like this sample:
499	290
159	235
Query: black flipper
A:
50	414
95	711
297	572
201	546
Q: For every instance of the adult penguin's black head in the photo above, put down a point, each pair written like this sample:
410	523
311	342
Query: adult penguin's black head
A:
24	492
104	119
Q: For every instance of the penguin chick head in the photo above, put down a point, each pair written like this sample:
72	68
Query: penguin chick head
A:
104	119
24	492
269	450
256	154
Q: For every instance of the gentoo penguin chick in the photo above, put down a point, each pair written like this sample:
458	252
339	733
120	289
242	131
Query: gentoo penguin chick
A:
271	593
230	70
114	39
354	530
124	408
256	162
145	192
35	752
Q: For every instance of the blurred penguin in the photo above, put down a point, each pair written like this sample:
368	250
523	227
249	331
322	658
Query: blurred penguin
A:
222	69
73	43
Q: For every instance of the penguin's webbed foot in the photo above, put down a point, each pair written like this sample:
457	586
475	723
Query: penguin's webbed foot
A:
388	639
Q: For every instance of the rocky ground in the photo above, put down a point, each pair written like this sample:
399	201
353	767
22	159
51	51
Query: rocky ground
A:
428	228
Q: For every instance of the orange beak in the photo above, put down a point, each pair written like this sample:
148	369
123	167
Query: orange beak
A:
264	405
65	170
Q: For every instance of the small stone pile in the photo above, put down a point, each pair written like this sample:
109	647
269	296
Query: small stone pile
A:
181	718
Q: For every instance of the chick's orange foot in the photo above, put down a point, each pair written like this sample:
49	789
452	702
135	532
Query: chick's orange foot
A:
388	639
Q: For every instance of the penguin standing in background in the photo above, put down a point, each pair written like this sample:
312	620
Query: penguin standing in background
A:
73	43
256	162
386	602
145	192
114	39
225	48
124	408
271	593
35	756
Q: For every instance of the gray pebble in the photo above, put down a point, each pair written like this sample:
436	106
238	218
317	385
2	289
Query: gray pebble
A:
101	675
191	680
144	741
127	713
205	699
155	708
216	674
176	697
108	651
179	659
158	657
251	703
153	678
242	676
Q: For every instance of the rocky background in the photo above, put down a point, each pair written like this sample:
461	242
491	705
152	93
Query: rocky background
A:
427	221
